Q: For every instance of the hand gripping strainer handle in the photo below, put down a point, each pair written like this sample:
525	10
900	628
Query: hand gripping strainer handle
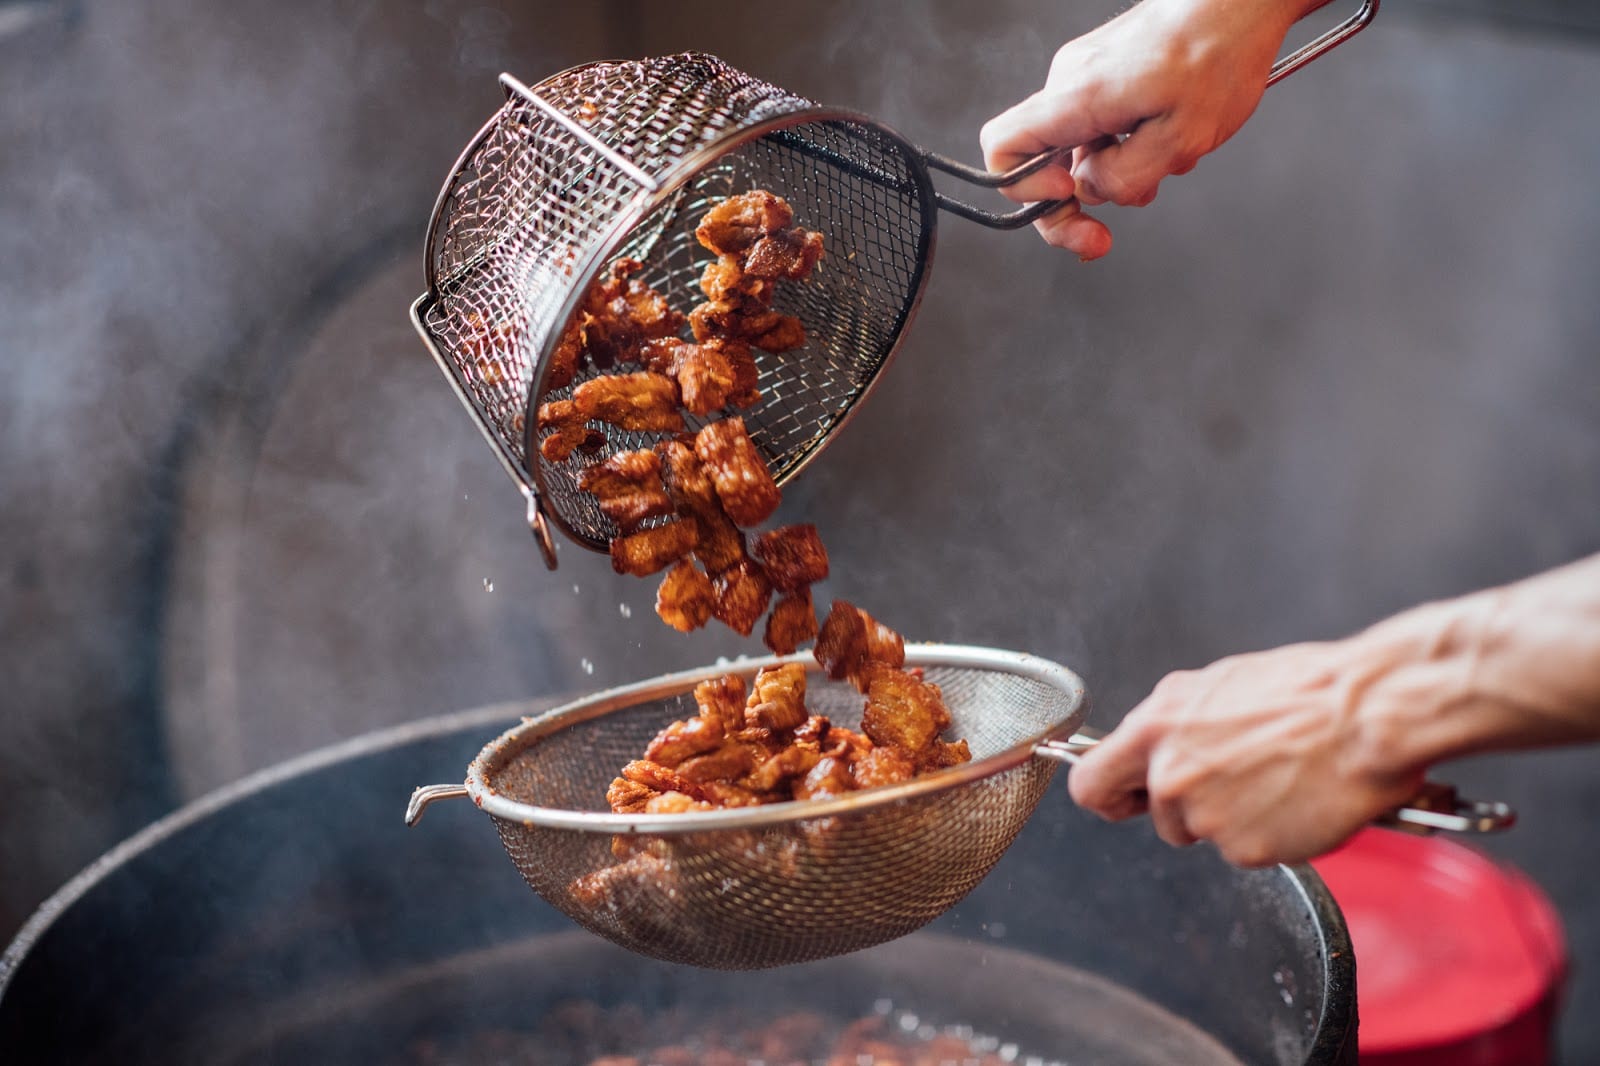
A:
1436	807
1285	66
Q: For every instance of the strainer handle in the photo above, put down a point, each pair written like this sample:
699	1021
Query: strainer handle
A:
1285	66
421	797
1436	806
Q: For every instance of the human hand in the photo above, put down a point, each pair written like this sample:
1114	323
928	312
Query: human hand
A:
1279	756
1267	755
1143	96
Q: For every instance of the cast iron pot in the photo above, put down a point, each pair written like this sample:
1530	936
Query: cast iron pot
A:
291	917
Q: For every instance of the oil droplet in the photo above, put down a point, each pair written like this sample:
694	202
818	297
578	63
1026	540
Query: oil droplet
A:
588	667
574	590
488	585
624	610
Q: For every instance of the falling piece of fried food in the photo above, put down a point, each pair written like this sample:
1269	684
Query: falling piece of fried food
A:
793	556
744	484
686	597
650	550
793	621
720	544
742	593
852	640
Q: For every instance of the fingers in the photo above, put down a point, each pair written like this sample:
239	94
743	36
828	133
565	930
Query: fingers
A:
1050	118
1110	779
1128	172
1068	227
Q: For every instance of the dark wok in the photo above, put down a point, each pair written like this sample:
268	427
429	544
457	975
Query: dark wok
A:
293	915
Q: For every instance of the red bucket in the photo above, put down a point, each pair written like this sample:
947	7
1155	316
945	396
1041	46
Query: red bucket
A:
1460	960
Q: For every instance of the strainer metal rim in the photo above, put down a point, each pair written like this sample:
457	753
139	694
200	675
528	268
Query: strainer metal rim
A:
514	740
670	182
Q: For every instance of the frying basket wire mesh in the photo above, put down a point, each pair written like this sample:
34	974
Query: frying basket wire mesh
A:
623	158
768	886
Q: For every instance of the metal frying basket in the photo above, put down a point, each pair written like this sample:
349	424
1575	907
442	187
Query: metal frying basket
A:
766	886
622	158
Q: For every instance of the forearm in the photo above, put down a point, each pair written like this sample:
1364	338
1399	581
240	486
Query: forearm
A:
1510	667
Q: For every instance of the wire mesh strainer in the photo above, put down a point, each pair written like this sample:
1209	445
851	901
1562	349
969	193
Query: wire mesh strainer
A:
767	886
622	158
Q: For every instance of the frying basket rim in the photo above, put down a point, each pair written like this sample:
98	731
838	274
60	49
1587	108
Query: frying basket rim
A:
500	751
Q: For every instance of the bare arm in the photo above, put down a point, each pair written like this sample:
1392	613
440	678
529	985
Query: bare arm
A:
1146	95
1278	756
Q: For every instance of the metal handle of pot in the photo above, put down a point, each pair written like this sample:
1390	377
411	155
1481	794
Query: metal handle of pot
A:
421	797
1436	807
1285	66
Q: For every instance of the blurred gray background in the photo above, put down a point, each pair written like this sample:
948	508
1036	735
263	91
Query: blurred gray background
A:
1349	364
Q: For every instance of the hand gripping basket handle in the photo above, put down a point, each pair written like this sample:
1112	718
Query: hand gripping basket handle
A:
1436	807
1285	66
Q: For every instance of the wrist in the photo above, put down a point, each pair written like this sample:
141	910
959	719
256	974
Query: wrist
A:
1415	682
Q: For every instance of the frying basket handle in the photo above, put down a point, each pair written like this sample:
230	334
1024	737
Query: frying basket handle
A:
421	797
1285	66
1435	808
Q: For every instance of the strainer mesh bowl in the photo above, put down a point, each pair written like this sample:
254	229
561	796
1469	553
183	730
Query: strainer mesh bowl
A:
781	884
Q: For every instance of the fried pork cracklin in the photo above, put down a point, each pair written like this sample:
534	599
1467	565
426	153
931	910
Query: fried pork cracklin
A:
764	746
684	507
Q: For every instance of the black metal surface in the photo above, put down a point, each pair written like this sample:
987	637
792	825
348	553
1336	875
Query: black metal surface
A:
211	935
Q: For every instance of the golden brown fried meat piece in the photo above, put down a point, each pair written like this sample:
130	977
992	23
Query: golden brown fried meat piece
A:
742	593
744	484
794	761
645	401
793	621
778	698
685	739
782	334
793	556
650	550
710	375
628	486
882	766
903	712
620	313
566	357
730	761
830	777
660	778
570	431
756	324
738	222
724	699
720	545
724	278
629	797
851	640
685	598
791	254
